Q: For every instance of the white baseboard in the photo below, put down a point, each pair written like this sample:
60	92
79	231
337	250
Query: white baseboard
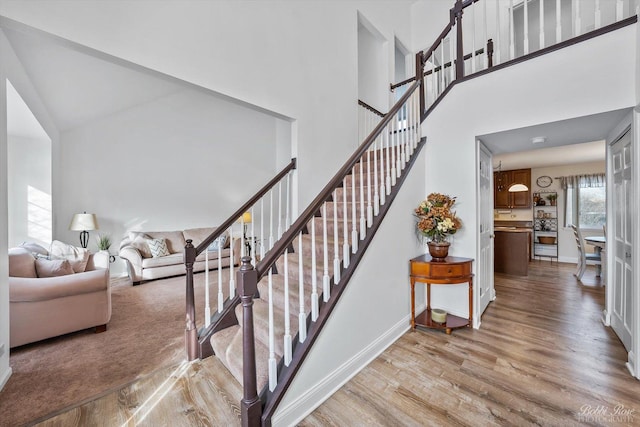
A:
314	397
5	377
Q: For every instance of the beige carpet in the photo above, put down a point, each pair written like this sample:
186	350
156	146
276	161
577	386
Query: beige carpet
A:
146	333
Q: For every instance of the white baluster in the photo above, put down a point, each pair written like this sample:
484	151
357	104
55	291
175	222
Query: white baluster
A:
354	227
207	304
369	206
363	221
558	21
345	246
287	320
452	55
619	9
392	141
271	239
403	138
314	278
498	34
336	243
220	295
280	209
485	38
541	24
232	276
526	27
418	121
398	145
288	219
512	38
376	194
442	80
473	37
262	245
302	317
578	21
387	130
325	245
252	237
243	251
273	368
597	15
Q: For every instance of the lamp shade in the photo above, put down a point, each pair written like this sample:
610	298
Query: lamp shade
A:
246	217
516	188
83	222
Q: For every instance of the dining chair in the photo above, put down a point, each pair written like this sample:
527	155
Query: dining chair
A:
583	256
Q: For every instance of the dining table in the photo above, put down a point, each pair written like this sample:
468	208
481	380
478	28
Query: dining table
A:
599	243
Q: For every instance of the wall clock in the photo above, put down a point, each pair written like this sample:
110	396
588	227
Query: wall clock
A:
544	181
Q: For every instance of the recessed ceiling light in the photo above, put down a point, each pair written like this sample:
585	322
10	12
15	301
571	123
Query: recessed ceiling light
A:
538	140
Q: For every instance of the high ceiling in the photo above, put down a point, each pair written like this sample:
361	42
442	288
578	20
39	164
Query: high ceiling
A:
77	87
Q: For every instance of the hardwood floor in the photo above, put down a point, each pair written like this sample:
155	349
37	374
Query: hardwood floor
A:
541	357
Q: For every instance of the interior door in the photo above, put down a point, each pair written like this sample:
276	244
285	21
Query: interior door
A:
620	241
485	288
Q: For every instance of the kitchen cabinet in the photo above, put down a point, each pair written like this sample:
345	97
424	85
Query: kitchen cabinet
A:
502	198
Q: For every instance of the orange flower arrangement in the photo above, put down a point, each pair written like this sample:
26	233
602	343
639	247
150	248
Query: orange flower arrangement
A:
435	219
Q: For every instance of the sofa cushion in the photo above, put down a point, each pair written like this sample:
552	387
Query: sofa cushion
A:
77	257
158	247
21	263
174	239
140	243
53	267
163	261
220	242
197	235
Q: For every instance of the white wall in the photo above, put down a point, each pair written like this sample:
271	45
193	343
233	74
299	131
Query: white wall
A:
372	61
173	163
5	369
29	169
573	82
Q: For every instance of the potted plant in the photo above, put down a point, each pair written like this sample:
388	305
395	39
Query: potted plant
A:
552	198
101	259
436	222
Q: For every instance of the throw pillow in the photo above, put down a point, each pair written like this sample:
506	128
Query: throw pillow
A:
158	247
77	257
35	249
21	263
53	267
140	243
218	243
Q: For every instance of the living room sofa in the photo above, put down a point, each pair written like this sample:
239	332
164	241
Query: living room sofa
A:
142	265
45	307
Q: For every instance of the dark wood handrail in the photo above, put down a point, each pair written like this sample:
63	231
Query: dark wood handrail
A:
237	214
370	108
287	238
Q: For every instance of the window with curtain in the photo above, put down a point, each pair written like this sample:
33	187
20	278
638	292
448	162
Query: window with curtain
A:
585	200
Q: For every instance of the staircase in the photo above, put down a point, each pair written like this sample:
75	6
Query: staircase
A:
306	250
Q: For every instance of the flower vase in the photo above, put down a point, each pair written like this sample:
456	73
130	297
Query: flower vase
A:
438	250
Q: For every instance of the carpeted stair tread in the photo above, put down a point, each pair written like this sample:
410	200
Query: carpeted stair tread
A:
294	292
221	340
234	359
261	324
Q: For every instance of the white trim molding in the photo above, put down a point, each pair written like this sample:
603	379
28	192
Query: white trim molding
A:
306	403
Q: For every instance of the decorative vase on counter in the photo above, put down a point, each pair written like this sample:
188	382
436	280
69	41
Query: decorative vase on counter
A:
438	250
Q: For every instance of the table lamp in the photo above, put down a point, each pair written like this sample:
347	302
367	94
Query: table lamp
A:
84	222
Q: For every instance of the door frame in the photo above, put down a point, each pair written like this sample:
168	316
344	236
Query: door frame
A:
631	122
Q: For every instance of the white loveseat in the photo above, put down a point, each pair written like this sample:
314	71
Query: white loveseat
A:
143	266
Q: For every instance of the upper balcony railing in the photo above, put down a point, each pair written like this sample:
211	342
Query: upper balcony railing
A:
497	33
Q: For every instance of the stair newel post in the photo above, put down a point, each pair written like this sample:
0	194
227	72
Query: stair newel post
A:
191	332
457	14
490	53
251	406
